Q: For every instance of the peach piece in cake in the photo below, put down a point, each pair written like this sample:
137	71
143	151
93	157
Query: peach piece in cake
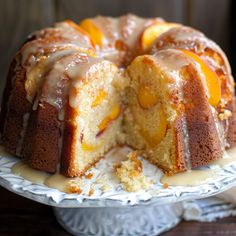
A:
151	33
155	137
212	80
88	147
94	32
115	112
147	98
99	98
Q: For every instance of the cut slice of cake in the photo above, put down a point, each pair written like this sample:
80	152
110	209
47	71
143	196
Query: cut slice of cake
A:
93	115
169	115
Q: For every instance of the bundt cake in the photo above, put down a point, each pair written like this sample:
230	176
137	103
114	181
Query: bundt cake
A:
75	91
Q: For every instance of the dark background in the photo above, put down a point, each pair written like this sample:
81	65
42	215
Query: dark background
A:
18	18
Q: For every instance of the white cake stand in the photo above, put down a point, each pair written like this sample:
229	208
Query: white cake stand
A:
117	212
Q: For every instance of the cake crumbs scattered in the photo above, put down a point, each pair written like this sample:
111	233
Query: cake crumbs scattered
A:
121	81
130	173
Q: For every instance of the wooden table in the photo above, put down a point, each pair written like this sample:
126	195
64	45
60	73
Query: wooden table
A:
20	216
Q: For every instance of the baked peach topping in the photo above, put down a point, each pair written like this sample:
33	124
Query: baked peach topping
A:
212	80
147	98
151	33
94	32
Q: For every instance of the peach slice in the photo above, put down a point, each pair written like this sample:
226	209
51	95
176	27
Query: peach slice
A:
147	98
151	33
94	32
76	27
160	130
212	80
99	98
80	30
115	112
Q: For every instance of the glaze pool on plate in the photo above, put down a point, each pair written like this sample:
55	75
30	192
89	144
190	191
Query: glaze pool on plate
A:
116	196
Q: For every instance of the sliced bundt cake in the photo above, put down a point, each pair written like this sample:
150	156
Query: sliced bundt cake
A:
68	90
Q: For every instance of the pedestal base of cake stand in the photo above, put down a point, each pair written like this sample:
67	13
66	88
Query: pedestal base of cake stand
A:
126	221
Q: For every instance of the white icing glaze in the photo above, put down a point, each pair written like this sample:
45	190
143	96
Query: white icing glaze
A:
198	176
72	68
228	158
49	46
59	182
56	181
191	177
114	196
127	28
106	178
35	176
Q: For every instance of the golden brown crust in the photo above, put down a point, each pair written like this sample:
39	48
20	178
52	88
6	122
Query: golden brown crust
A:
14	110
204	142
68	145
231	126
179	149
40	146
7	91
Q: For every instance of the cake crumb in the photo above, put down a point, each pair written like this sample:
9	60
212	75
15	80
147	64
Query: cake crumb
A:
165	185
121	81
75	186
91	192
74	189
225	114
101	179
105	187
130	173
89	176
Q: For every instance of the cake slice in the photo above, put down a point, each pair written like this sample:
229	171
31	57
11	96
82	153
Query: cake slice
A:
169	115
93	113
